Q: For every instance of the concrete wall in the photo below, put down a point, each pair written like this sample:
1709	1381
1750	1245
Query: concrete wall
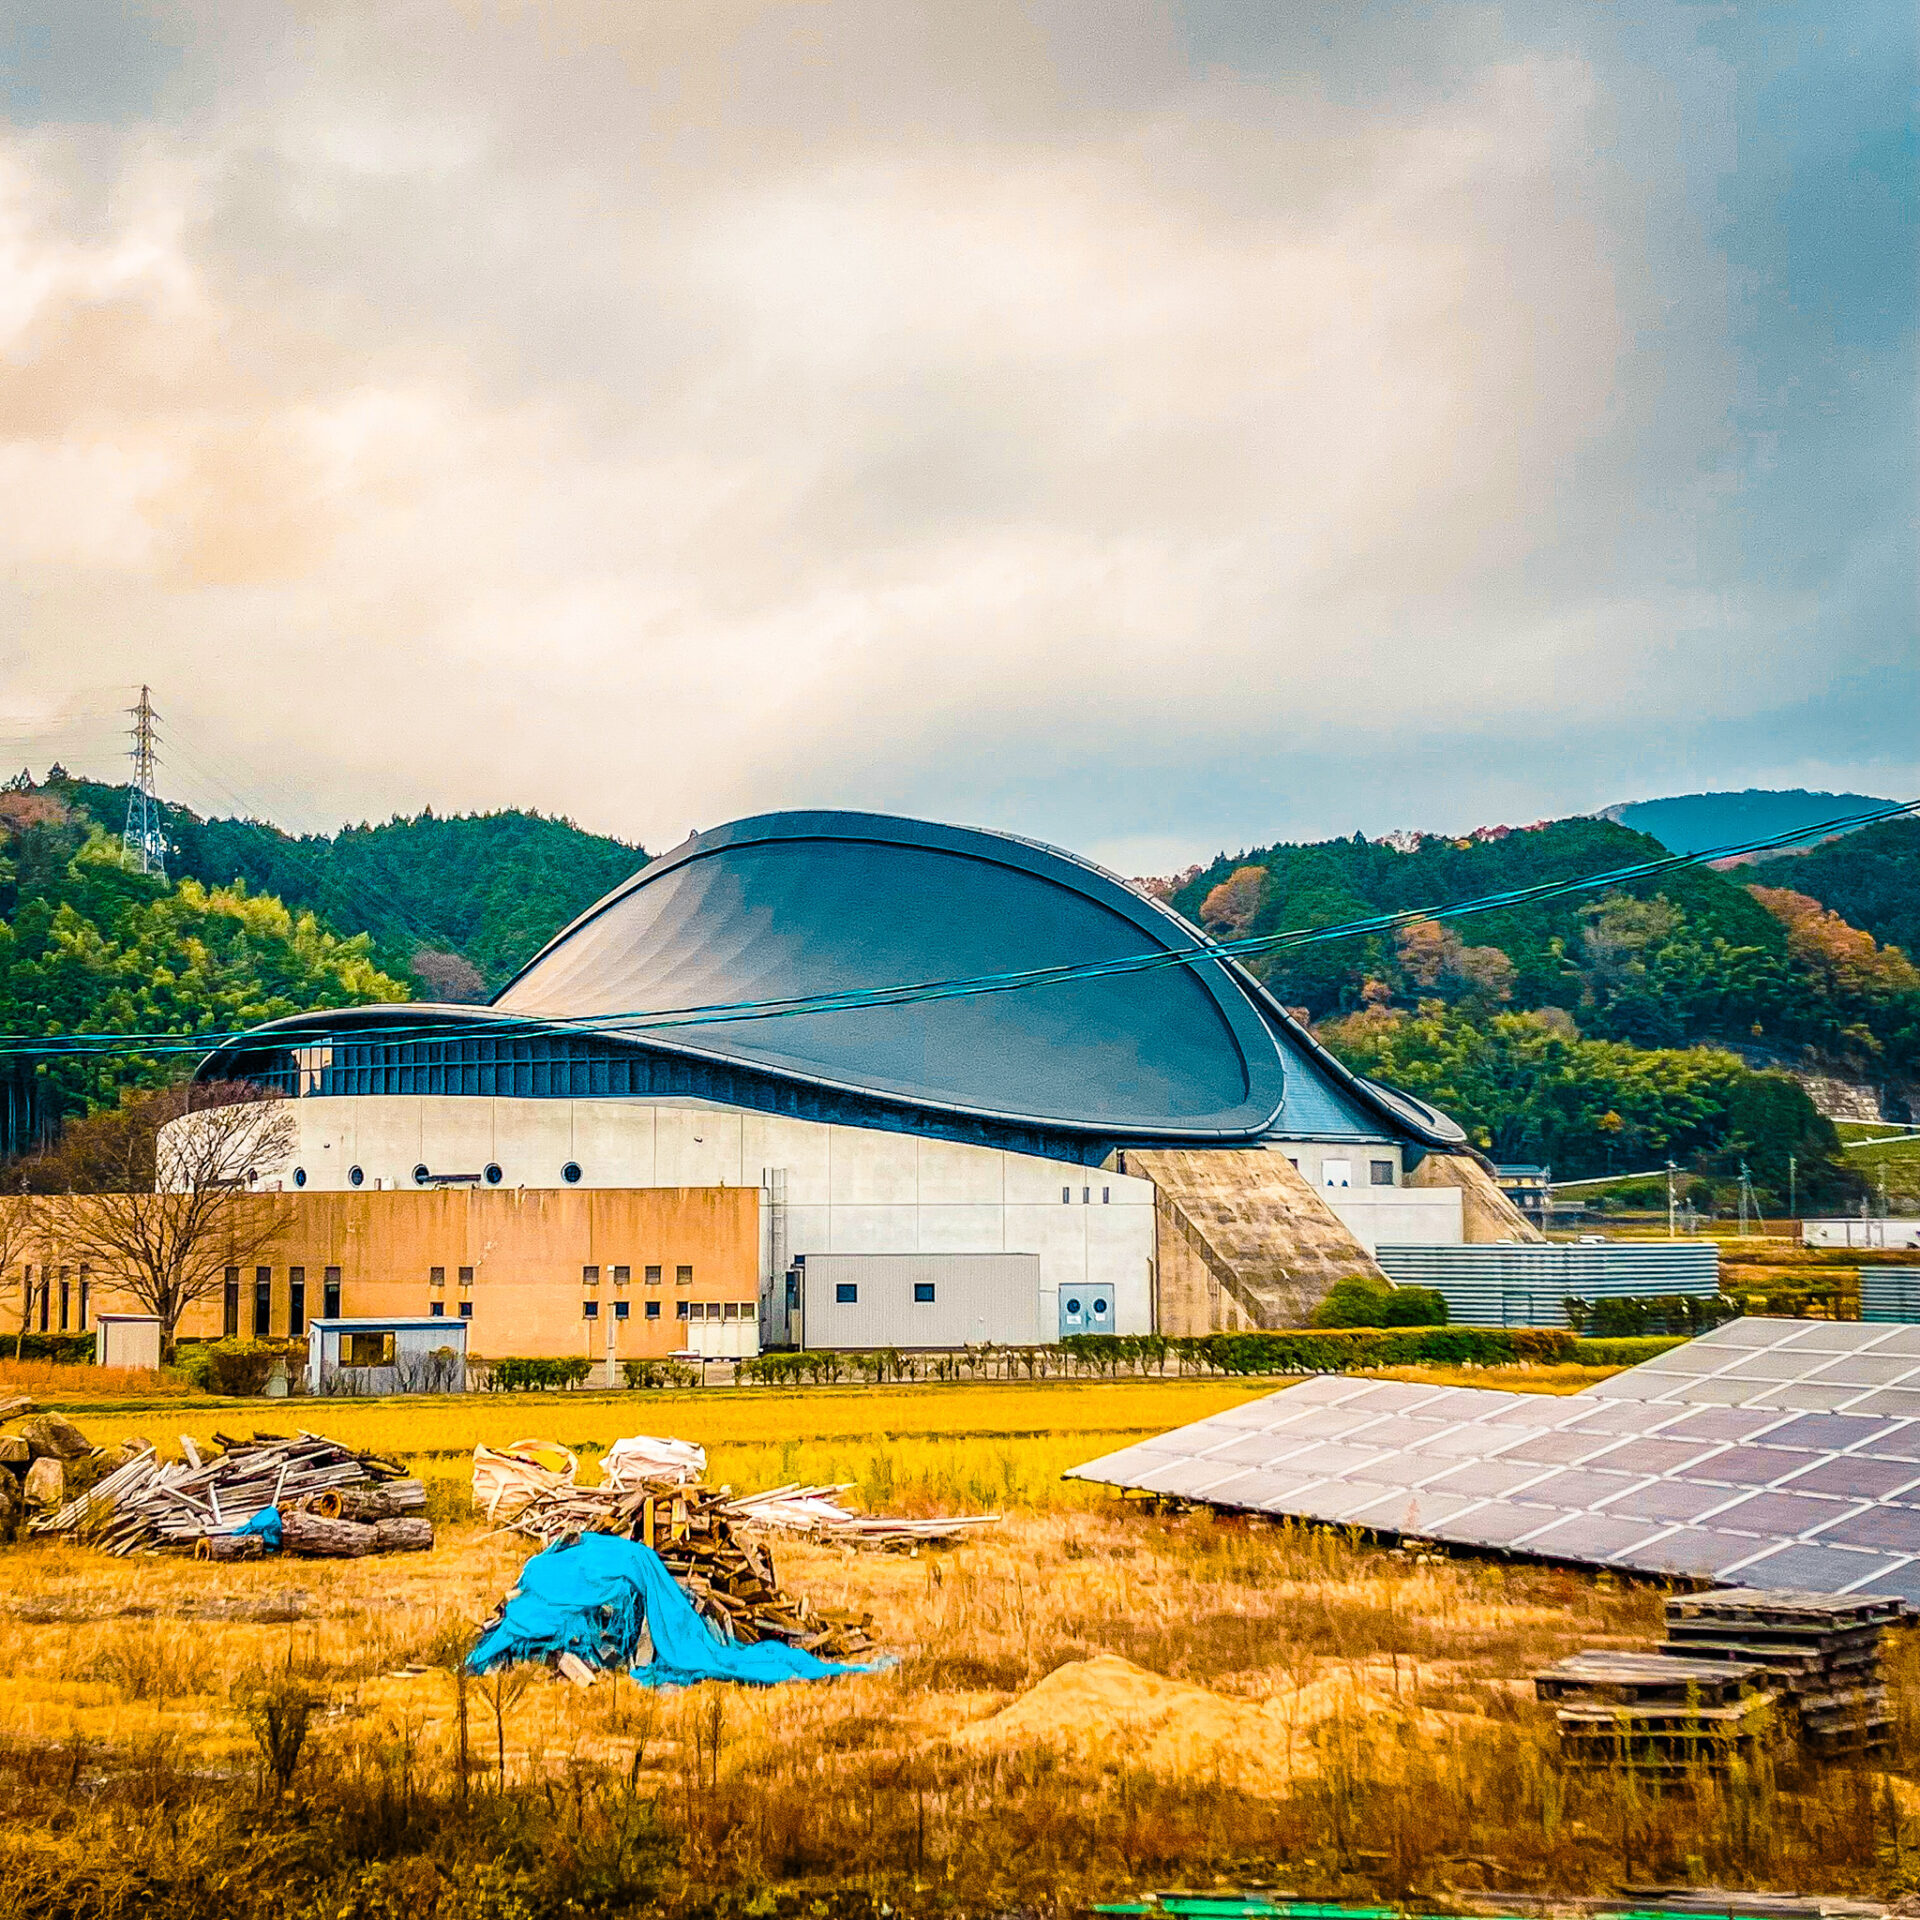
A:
1391	1216
848	1189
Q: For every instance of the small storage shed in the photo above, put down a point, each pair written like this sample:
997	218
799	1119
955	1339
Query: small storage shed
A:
387	1356
126	1340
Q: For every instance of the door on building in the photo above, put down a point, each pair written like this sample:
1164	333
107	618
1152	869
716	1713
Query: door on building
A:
1086	1310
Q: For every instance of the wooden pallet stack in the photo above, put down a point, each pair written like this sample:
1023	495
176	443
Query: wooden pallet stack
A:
1823	1648
728	1575
1659	1712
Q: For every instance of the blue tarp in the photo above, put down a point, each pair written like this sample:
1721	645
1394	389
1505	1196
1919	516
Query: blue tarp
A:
266	1523
591	1596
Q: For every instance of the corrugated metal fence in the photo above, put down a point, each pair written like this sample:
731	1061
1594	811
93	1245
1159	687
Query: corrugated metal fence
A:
1890	1293
1516	1285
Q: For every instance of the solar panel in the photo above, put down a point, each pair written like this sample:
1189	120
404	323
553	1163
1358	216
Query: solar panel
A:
1775	1453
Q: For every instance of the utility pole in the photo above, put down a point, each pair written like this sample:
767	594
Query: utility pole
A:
143	839
1670	1229
1793	1188
1746	1187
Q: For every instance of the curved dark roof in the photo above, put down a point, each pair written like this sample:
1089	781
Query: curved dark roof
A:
793	906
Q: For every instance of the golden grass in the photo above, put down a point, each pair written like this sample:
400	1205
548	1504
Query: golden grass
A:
1404	1754
914	1448
50	1380
1223	1699
1521	1379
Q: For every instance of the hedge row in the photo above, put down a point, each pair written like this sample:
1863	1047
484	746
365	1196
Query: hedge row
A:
1331	1350
531	1376
1625	1353
67	1349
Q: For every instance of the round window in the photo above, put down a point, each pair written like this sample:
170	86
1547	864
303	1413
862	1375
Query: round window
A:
570	1173
356	1177
1073	1306
494	1175
1099	1306
422	1174
299	1176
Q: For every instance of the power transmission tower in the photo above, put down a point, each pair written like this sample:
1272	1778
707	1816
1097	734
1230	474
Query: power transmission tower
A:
143	839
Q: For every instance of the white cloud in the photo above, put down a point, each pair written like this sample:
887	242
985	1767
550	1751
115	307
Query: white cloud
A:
659	422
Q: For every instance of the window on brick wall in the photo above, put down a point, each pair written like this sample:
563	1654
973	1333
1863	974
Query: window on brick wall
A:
230	1306
263	1303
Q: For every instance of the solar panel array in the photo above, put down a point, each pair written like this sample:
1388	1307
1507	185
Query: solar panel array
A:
1770	1453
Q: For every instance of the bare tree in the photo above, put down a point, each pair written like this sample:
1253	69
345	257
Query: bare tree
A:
19	1223
168	1192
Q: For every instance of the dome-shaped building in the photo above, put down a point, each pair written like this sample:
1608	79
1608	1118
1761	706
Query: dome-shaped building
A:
962	1071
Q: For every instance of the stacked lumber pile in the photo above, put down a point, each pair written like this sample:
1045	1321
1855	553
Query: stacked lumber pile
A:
817	1513
1822	1648
332	1501
506	1479
1737	1665
1657	1711
727	1575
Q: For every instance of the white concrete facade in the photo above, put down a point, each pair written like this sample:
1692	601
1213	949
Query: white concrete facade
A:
846	1189
1401	1216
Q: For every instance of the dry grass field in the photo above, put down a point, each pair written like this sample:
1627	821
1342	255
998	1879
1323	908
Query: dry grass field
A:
1090	1699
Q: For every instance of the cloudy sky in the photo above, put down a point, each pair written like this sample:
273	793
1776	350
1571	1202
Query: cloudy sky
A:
1151	427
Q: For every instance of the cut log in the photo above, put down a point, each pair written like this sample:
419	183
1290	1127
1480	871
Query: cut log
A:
368	1504
230	1546
405	1533
309	1534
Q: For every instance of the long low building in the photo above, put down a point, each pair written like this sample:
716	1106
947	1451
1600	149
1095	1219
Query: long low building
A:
1028	1099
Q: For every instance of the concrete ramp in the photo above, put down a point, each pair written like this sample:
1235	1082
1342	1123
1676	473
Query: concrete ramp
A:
1243	1242
1486	1214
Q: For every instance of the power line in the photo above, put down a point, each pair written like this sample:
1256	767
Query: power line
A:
861	998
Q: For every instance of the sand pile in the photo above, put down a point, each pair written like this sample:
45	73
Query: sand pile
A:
1109	1710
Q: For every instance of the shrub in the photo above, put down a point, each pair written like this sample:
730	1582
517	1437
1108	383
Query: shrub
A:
1362	1301
522	1375
240	1368
659	1373
1658	1313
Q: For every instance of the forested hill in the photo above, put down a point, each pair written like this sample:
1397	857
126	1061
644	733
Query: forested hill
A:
1871	878
454	904
89	945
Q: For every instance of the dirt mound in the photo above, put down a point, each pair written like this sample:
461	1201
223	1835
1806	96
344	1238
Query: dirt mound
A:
1107	1708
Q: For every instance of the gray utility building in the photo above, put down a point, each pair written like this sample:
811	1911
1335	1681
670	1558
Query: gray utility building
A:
924	1300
